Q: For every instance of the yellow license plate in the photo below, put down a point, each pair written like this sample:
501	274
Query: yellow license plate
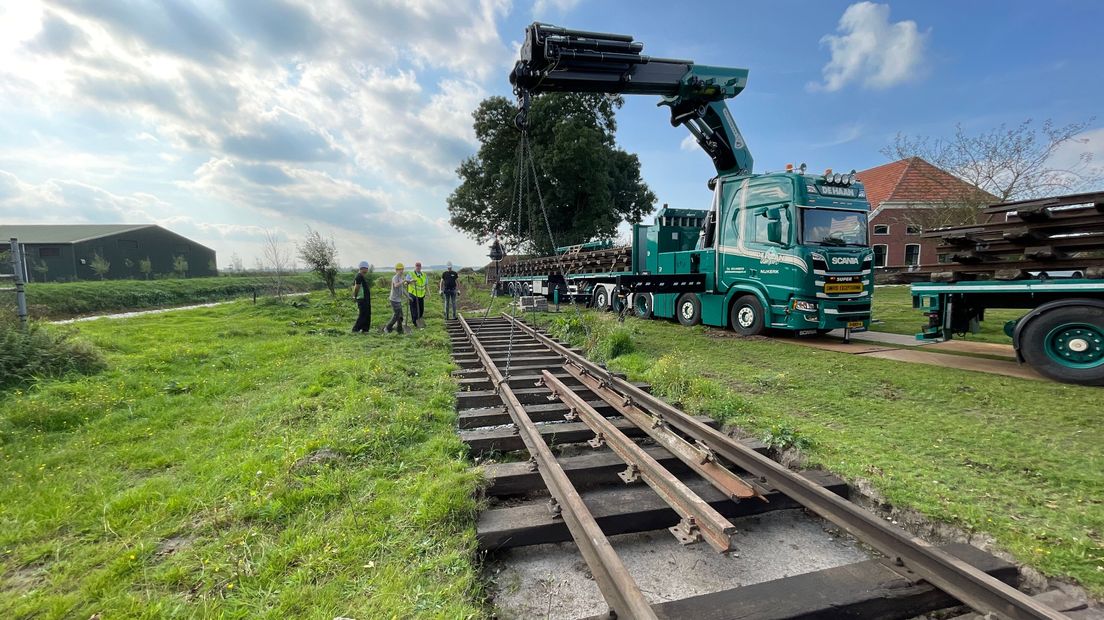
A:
850	287
855	324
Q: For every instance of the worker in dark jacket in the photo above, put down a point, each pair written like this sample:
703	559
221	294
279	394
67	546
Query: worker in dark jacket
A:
448	289
362	293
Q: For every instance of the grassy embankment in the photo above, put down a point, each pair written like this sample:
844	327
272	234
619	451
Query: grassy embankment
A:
180	483
65	299
1019	460
893	307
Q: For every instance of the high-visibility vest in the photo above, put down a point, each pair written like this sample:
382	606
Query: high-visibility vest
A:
417	286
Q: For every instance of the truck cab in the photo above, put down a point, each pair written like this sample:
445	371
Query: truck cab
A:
782	250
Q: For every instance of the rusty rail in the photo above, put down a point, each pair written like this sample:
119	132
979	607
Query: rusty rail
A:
946	572
699	519
616	584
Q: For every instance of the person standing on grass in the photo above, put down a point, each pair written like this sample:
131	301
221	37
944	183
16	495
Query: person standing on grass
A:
362	294
397	298
448	289
417	290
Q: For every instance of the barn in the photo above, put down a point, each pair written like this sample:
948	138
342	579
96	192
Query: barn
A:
68	252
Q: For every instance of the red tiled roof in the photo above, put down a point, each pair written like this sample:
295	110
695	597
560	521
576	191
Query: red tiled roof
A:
911	180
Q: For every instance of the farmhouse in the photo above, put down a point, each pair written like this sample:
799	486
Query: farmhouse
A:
903	194
65	252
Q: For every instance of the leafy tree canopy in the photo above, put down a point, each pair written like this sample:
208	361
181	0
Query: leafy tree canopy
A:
588	185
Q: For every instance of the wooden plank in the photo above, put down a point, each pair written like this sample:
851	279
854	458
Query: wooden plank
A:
621	510
869	590
504	439
496	416
585	471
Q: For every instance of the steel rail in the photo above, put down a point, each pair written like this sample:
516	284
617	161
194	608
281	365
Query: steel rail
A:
620	590
698	457
944	571
699	519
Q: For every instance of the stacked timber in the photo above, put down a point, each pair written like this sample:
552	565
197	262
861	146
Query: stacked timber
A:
569	263
1058	234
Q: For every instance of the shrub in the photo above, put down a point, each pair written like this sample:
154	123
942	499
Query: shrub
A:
617	343
670	378
39	352
781	437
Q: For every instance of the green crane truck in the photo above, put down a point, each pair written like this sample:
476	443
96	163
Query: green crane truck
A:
785	250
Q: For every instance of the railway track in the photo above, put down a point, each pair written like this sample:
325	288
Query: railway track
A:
523	391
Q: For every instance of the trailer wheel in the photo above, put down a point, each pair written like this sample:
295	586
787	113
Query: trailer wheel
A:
746	316
642	305
601	298
1066	344
688	309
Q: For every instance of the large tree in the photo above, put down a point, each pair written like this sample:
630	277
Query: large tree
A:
588	185
1005	163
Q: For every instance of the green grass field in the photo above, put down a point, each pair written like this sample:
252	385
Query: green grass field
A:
178	483
258	461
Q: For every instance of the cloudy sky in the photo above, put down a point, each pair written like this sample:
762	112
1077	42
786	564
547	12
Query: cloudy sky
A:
221	119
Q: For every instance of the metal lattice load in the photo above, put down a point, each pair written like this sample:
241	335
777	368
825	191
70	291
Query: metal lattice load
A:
572	263
1060	233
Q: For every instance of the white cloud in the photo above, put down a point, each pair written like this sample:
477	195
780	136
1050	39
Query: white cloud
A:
871	50
316	113
1084	155
543	7
689	143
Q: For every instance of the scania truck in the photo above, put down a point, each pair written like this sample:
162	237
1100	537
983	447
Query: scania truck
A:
785	250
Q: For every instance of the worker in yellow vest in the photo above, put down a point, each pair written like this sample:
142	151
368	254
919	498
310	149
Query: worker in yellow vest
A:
416	286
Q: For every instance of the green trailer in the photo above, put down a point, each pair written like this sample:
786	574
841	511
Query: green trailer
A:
1043	255
785	250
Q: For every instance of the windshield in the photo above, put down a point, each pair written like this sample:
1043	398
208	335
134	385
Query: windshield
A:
833	227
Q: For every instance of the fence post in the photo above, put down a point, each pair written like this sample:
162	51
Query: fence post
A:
20	293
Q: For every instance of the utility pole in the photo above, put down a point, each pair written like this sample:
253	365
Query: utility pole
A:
17	276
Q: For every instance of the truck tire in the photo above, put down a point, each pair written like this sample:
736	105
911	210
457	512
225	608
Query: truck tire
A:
746	316
688	310
601	298
1066	344
642	305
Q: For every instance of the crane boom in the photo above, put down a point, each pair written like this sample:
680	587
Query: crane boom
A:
555	59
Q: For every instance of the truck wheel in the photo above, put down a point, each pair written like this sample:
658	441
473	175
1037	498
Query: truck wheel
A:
688	310
642	305
746	316
601	298
1067	344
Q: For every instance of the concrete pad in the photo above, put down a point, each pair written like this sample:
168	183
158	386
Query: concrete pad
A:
825	344
977	364
975	348
552	581
897	340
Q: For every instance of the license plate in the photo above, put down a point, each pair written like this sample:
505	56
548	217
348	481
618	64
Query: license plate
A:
855	324
850	287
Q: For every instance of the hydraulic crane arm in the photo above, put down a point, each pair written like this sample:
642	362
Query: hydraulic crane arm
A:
555	59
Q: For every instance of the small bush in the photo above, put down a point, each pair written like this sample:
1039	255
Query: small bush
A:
617	343
670	378
781	437
38	353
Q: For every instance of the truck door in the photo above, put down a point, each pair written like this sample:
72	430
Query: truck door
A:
751	250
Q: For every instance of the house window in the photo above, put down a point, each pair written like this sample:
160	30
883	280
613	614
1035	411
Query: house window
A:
881	229
880	255
912	230
48	252
127	244
912	254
